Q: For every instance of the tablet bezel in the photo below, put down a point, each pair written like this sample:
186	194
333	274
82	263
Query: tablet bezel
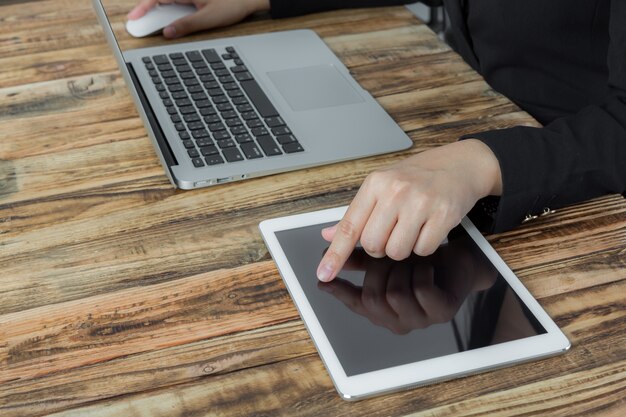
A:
423	372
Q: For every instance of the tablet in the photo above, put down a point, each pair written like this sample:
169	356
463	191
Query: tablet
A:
385	325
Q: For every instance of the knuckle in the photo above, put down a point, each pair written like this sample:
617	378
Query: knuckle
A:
347	228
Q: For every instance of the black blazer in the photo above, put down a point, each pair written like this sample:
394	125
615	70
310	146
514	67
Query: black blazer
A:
564	62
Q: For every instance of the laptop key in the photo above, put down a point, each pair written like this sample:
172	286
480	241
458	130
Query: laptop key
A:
243	138
168	74
238	130
226	143
238	61
160	59
175	87
240	100
269	146
226	57
179	94
184	135
198	97
168	103
171	110
230	49
193	117
214	127
176	55
275	121
249	115
175	118
209	150
211	85
232	154
220	99
281	130
244	108
188	144
187	109
258	98
292	147
221	135
239	68
202	142
190	81
218	66
205	72
251	151
222	107
200	133
285	139
197	162
164	94
195	125
243	76
231	86
183	102
259	131
214	160
146	59
153	73
236	121
254	123
229	114
214	118
194	89
211	56
186	75
214	92
156	80
194	56
235	93
226	79
180	127
222	72
160	87
206	110
193	153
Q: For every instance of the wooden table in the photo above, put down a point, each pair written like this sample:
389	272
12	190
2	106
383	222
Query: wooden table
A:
121	296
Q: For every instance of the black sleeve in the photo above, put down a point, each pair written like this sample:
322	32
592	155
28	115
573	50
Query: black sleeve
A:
572	159
288	8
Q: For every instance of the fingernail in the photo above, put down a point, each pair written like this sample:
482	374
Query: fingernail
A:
169	32
324	272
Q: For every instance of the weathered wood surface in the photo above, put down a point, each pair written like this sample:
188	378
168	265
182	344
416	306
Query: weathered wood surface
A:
120	295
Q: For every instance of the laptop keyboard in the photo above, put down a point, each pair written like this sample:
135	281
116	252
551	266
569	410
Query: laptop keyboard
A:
219	110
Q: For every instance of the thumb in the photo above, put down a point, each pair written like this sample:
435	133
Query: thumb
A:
188	24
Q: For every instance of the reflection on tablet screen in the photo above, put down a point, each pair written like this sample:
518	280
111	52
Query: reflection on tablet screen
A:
380	313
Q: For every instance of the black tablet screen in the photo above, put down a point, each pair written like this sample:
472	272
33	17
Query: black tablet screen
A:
381	313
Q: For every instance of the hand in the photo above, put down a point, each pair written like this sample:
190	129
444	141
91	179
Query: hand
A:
417	292
412	205
210	14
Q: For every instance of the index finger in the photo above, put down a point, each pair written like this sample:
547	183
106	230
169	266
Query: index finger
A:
348	233
141	9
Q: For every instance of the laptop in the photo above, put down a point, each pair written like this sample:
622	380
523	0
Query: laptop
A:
242	107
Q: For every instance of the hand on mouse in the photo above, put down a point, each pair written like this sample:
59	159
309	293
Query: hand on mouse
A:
412	205
210	14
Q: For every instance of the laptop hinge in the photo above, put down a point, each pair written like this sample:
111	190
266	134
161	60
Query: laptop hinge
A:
164	146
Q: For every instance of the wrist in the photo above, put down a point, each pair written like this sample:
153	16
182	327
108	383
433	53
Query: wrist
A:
486	167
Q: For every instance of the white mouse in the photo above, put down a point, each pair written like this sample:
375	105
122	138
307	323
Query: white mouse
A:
157	18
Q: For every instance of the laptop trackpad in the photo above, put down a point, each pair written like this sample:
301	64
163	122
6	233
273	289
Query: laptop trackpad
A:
314	87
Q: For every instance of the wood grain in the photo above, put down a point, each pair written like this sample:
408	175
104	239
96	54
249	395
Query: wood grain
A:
120	295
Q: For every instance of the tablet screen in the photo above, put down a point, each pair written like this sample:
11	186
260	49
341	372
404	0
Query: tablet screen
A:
380	313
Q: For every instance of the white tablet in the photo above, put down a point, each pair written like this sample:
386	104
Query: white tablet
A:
384	325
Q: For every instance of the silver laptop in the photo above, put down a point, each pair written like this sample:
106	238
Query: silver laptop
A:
243	107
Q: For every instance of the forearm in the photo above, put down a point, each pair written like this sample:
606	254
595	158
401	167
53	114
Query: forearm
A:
288	8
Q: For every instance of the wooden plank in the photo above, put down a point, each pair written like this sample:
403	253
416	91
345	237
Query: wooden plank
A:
280	356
